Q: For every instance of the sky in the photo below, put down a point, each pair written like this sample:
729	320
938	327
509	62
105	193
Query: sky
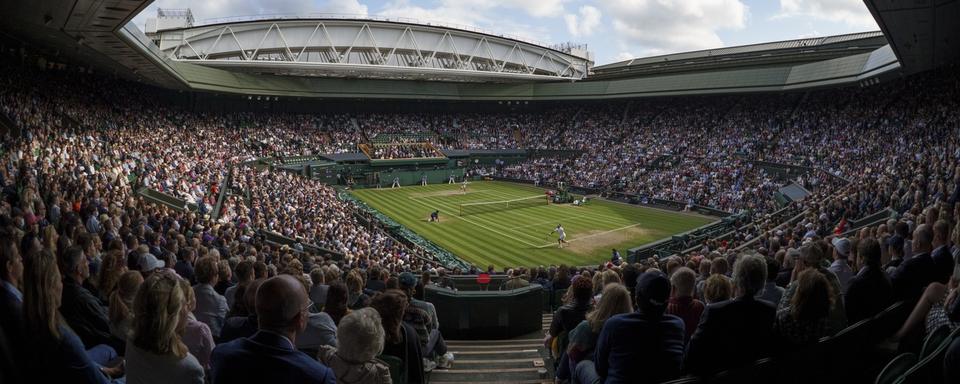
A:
614	30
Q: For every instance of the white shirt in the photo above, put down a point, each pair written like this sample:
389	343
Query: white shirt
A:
561	232
145	367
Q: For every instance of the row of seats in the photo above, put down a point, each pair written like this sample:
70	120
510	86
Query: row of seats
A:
853	355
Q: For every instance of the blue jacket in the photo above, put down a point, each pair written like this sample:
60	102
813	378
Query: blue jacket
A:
731	334
637	348
266	357
64	360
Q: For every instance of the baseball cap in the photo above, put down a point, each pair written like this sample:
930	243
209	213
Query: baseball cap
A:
653	289
842	245
407	280
149	262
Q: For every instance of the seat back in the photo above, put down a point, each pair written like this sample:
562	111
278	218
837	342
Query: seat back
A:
933	340
896	368
398	370
930	368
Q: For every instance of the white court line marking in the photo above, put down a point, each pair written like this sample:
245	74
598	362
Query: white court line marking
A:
587	236
481	191
535	224
483	226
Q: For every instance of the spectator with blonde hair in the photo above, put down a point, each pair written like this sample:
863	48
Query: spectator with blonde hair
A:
361	336
155	351
737	331
211	306
113	266
806	321
717	288
195	335
57	354
121	304
614	300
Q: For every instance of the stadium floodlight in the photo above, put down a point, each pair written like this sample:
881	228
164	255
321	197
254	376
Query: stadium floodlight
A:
503	205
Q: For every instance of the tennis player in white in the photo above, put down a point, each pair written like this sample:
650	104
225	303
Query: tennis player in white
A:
562	235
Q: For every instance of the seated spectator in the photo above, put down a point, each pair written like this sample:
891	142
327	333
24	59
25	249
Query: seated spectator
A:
445	281
811	257
112	268
225	279
734	332
320	329
568	316
941	254
81	309
57	355
121	304
155	352
211	306
356	299
422	316
937	307
362	337
318	289
184	265
840	266
771	291
400	339
717	288
682	304
243	326
11	311
270	354
515	281
244	272
374	280
336	305
894	248
913	275
615	300
870	291
647	335
806	321
195	335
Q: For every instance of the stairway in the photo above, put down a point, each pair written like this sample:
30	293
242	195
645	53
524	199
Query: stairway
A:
515	361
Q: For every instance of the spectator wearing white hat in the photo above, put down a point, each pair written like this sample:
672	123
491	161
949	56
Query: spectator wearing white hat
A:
840	265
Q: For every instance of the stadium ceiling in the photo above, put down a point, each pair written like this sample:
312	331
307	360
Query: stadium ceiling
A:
922	35
378	49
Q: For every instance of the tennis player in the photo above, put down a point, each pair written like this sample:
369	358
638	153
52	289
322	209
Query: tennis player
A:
463	186
562	239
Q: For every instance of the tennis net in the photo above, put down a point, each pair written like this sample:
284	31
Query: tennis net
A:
503	205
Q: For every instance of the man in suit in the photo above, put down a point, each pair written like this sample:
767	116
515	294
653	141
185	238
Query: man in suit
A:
941	255
735	332
630	344
79	307
911	278
270	354
870	291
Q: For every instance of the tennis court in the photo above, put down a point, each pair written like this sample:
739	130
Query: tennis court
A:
507	235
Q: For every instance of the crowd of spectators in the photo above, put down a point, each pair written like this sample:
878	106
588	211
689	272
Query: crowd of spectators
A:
110	287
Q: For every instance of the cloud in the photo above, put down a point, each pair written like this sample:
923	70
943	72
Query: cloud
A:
654	27
208	9
485	14
624	56
583	25
850	12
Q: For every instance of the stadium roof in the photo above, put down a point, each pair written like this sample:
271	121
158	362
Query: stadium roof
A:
922	35
778	52
363	48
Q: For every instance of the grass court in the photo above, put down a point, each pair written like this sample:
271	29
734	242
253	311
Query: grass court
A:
521	236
